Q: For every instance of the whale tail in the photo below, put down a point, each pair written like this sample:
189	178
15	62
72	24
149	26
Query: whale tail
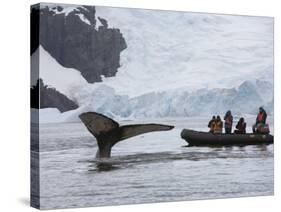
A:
128	131
98	124
108	132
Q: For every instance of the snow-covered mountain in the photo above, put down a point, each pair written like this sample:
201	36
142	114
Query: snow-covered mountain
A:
168	50
69	33
65	80
179	64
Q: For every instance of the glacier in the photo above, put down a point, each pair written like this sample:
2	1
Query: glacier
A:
169	50
176	64
173	103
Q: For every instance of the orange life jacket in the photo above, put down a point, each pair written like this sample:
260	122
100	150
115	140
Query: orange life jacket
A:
217	127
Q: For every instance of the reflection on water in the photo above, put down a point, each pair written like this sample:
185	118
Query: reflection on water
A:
228	152
153	167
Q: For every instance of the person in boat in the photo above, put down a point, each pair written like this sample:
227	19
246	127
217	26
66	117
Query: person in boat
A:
228	119
240	127
260	126
212	124
218	125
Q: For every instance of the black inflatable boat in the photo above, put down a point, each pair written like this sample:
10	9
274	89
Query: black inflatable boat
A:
196	138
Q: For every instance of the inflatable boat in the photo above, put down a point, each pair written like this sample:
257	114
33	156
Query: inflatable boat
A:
196	138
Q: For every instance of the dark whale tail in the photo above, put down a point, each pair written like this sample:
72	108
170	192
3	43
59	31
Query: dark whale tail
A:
108	132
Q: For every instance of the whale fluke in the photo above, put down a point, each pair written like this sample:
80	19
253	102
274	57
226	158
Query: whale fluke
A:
98	124
128	131
108	132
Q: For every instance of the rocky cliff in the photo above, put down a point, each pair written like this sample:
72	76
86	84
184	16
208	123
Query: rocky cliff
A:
75	38
50	97
72	37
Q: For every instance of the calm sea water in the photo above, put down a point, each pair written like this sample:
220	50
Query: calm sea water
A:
153	167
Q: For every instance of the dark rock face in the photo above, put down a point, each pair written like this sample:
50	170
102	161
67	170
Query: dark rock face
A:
34	28
72	39
50	97
75	43
34	96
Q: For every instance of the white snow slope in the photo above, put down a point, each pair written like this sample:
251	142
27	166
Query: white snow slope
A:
168	50
66	80
184	64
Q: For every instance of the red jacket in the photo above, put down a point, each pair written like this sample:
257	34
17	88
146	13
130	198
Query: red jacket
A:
261	117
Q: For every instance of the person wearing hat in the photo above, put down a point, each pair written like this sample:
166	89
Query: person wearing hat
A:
228	119
211	124
240	127
260	121
218	125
